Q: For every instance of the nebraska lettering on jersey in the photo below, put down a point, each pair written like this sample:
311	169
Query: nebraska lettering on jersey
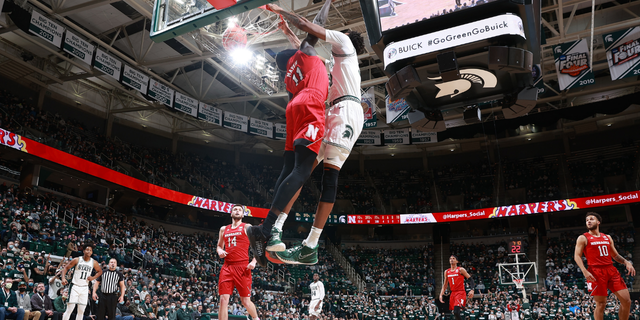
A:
597	251
456	279
236	244
305	71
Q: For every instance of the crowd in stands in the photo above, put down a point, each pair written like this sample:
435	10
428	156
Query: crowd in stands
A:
588	176
539	178
474	181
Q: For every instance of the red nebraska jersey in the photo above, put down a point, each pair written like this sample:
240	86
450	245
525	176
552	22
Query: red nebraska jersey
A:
597	250
456	279
304	71
236	244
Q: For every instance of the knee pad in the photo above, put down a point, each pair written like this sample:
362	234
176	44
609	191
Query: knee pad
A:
329	185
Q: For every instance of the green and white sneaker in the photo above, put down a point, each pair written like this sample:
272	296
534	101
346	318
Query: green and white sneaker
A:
300	254
275	244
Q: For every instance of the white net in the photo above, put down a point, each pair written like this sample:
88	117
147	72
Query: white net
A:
518	283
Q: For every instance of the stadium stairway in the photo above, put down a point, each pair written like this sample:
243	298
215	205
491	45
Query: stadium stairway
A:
355	278
442	253
542	259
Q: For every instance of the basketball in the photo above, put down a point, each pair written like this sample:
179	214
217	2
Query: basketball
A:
233	38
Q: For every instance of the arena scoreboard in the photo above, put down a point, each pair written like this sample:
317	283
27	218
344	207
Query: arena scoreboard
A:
515	246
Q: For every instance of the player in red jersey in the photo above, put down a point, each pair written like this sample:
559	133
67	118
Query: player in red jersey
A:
601	275
233	246
307	83
454	278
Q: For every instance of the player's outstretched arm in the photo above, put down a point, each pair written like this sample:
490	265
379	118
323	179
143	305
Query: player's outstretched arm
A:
617	257
293	39
300	22
220	247
577	256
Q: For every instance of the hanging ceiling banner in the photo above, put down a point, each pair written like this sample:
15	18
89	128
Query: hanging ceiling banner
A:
46	29
78	47
572	64
623	53
397	110
210	114
186	104
369	138
281	131
400	136
369	106
420	137
161	93
235	121
108	64
261	128
135	79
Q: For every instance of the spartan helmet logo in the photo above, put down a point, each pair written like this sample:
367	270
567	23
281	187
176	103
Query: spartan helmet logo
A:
608	38
558	50
468	77
348	132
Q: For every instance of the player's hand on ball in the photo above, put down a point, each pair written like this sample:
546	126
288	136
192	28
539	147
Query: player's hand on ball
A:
589	276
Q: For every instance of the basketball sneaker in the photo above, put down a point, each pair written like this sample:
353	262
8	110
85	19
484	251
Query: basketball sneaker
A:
300	254
275	244
257	243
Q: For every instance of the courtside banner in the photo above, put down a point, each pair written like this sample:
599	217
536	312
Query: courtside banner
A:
46	29
572	64
210	113
281	131
186	104
161	93
261	128
108	64
369	105
420	137
369	138
397	110
135	79
78	47
235	121
505	24
623	53
37	149
399	136
374	219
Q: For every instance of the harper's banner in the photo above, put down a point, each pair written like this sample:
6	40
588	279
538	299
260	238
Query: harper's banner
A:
210	114
135	79
572	64
397	110
369	107
369	138
40	150
186	104
420	137
415	218
399	136
78	47
623	53
235	121
46	29
261	128
332	219
281	131
505	24
108	64
161	93
374	219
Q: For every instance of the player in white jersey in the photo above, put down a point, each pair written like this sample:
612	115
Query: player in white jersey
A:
343	123
79	293
317	296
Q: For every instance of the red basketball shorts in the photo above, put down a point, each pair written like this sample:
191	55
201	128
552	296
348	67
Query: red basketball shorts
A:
607	277
305	120
237	276
457	299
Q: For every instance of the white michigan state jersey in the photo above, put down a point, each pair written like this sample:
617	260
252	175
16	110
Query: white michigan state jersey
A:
83	271
317	290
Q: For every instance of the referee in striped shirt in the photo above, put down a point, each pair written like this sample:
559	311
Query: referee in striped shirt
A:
109	282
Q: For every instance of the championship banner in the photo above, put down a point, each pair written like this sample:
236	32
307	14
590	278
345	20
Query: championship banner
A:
332	219
186	104
420	137
572	64
261	128
281	131
369	105
107	64
135	79
369	138
46	29
374	219
40	150
209	113
623	53
161	93
397	110
235	121
400	136
78	48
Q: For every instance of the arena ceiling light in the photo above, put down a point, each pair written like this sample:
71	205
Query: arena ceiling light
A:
242	56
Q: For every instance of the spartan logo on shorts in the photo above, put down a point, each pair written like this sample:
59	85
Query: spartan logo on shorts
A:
348	132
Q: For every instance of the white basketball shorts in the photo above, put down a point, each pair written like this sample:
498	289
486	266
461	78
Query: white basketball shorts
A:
79	294
312	308
343	124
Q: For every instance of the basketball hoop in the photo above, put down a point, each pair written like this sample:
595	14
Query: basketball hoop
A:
518	283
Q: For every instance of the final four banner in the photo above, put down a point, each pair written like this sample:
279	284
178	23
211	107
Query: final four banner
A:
397	110
623	53
572	64
369	106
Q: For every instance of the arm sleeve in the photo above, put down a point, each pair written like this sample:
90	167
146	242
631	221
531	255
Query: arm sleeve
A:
340	42
321	291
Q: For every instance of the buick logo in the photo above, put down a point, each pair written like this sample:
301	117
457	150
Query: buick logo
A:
392	53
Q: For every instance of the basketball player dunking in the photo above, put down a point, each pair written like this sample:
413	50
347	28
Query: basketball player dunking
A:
344	122
601	275
454	278
233	246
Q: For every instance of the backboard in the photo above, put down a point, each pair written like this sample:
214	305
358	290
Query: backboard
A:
520	270
172	18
